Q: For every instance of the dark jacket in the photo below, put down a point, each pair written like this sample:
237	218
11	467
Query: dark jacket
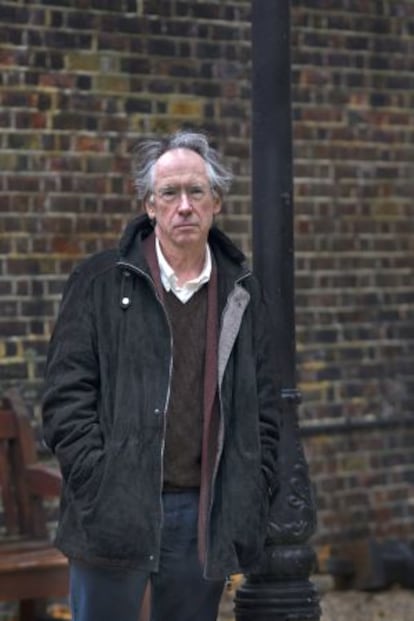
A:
106	395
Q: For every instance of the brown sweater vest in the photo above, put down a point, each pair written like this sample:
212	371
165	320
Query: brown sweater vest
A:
183	442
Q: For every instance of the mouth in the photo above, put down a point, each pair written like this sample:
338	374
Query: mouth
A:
186	225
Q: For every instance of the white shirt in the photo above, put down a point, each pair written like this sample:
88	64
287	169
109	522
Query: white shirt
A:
170	281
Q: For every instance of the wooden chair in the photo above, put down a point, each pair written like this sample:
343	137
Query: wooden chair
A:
31	569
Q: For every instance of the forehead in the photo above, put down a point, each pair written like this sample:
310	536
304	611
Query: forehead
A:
180	163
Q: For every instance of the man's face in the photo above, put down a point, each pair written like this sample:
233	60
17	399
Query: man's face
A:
182	202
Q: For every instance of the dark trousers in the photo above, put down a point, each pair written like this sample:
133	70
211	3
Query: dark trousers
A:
178	590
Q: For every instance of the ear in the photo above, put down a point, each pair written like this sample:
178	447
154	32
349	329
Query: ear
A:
149	206
217	205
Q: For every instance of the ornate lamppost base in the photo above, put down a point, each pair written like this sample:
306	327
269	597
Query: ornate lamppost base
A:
283	591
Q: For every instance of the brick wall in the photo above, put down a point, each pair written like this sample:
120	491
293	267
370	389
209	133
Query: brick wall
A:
81	80
353	94
363	479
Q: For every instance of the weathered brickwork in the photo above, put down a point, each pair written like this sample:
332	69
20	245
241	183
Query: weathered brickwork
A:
354	131
363	483
81	80
353	107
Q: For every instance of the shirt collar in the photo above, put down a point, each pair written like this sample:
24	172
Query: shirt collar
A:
169	277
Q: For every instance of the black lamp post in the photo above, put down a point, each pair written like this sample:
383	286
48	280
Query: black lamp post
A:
280	589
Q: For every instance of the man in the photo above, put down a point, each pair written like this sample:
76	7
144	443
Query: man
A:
160	402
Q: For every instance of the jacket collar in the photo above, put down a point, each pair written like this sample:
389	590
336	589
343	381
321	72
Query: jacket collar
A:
130	245
131	250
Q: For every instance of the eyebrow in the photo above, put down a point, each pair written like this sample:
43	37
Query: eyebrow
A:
191	184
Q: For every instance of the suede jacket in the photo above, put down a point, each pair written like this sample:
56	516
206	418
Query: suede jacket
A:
105	402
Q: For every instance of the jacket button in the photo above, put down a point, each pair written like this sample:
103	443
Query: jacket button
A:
151	557
157	411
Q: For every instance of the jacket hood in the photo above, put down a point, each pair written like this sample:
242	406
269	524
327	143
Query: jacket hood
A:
139	227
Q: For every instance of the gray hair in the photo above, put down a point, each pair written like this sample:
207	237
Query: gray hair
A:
147	153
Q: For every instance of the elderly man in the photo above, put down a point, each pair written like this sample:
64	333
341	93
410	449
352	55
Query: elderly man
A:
161	402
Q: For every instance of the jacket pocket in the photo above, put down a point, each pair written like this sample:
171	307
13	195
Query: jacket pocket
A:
122	521
84	483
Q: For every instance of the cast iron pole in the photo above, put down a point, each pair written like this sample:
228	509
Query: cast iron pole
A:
279	590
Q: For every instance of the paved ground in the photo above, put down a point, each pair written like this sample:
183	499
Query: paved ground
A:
392	605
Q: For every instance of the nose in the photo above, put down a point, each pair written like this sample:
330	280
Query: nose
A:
184	205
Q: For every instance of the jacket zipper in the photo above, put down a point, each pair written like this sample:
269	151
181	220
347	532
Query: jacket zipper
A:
140	272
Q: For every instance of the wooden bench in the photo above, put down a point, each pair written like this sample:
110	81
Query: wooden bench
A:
31	569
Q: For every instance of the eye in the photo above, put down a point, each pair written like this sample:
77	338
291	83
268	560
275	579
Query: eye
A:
196	192
168	194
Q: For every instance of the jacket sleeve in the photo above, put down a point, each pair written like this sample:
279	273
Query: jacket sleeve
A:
268	385
70	421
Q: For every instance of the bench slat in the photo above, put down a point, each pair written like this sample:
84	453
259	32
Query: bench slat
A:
17	561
